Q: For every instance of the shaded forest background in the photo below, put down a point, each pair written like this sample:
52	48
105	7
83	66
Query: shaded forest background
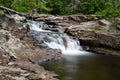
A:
104	8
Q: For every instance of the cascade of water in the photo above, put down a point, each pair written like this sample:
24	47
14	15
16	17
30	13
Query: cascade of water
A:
35	26
65	43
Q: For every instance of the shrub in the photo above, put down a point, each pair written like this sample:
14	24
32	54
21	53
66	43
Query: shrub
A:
105	8
29	5
6	3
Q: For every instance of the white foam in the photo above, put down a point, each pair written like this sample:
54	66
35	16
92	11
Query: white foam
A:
72	48
63	42
75	52
37	26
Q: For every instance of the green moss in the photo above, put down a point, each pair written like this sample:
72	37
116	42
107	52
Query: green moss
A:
96	28
1	12
111	26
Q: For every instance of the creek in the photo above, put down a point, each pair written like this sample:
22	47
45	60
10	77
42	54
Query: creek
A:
85	67
76	64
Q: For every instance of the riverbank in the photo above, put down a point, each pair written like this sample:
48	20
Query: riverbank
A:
20	53
101	36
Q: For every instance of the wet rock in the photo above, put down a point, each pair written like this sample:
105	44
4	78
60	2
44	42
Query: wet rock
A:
106	51
18	18
96	35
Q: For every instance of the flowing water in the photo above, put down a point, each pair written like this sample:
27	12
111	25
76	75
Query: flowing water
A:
55	40
77	64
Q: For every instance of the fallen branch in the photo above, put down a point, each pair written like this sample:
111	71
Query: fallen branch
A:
10	11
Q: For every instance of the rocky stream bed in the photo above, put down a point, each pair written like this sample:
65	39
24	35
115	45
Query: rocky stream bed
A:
20	53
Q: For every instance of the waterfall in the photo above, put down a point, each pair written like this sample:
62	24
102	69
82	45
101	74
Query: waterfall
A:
68	45
37	26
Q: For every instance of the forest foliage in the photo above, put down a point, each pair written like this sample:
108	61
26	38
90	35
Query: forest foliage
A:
104	8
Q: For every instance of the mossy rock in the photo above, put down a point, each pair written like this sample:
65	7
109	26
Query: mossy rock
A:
1	12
